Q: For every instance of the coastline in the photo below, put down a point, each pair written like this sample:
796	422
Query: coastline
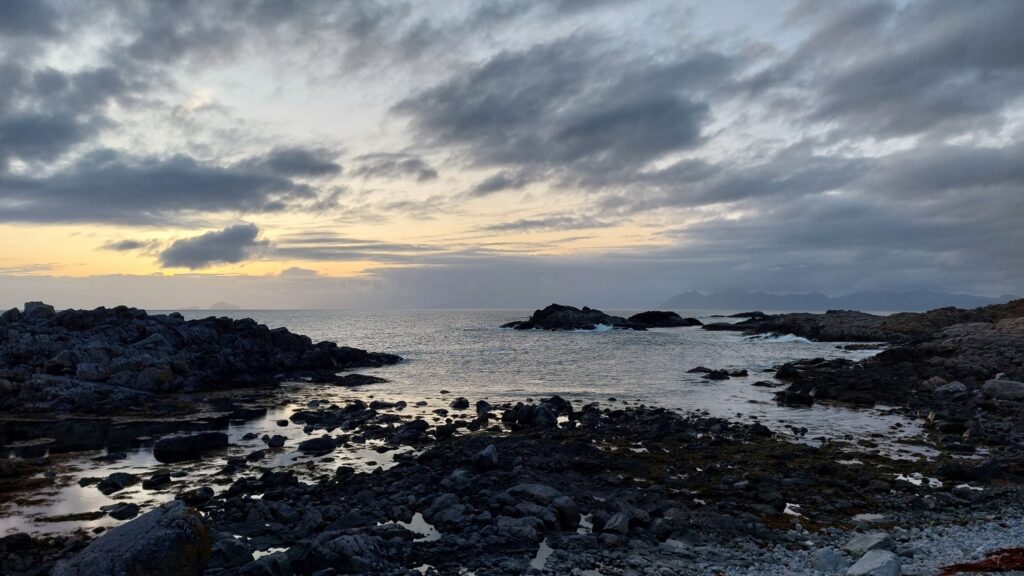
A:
434	457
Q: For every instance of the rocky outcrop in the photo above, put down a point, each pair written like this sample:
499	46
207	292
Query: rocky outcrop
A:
662	319
559	317
170	540
108	359
853	326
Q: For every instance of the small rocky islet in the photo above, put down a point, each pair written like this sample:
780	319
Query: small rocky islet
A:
548	487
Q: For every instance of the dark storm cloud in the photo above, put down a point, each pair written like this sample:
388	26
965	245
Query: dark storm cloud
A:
44	113
109	187
568	103
394	165
231	245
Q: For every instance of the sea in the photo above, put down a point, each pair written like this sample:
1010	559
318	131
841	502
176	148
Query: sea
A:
453	353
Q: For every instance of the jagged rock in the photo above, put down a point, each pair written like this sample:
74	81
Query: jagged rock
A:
876	563
103	360
170	540
116	482
861	543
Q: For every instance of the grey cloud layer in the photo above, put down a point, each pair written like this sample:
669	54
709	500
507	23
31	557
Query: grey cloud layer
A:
231	245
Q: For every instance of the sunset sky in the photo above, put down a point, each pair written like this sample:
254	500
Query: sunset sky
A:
363	153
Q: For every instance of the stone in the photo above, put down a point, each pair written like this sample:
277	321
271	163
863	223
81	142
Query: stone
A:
459	403
180	448
861	543
876	563
116	482
486	459
121	510
196	496
318	446
157	481
170	540
618	523
1003	389
276	441
662	319
951	391
829	560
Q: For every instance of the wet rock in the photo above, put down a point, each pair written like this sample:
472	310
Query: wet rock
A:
276	441
196	496
876	563
157	481
116	482
792	398
318	446
716	375
169	540
181	448
121	510
459	403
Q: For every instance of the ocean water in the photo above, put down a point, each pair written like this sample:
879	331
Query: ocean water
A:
465	353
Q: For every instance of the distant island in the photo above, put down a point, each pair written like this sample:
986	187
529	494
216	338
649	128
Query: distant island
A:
879	301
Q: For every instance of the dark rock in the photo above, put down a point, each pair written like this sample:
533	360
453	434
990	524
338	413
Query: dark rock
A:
121	510
180	448
459	403
196	496
792	398
559	317
157	481
486	459
116	482
660	319
318	446
170	540
276	441
716	375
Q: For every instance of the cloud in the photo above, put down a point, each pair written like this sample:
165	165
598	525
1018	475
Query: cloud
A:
107	186
388	166
499	182
547	223
28	18
300	162
130	245
231	245
568	104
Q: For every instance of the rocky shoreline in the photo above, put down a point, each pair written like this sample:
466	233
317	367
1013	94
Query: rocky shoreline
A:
107	361
532	487
600	489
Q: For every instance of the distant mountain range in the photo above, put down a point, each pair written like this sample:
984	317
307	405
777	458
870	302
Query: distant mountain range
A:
878	301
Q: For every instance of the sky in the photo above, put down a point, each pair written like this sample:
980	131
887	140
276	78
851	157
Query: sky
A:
455	154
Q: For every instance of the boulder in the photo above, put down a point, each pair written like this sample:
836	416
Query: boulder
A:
487	458
1003	389
318	446
861	543
170	540
116	482
180	448
829	560
876	563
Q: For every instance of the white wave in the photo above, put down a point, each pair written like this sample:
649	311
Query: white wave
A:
782	338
